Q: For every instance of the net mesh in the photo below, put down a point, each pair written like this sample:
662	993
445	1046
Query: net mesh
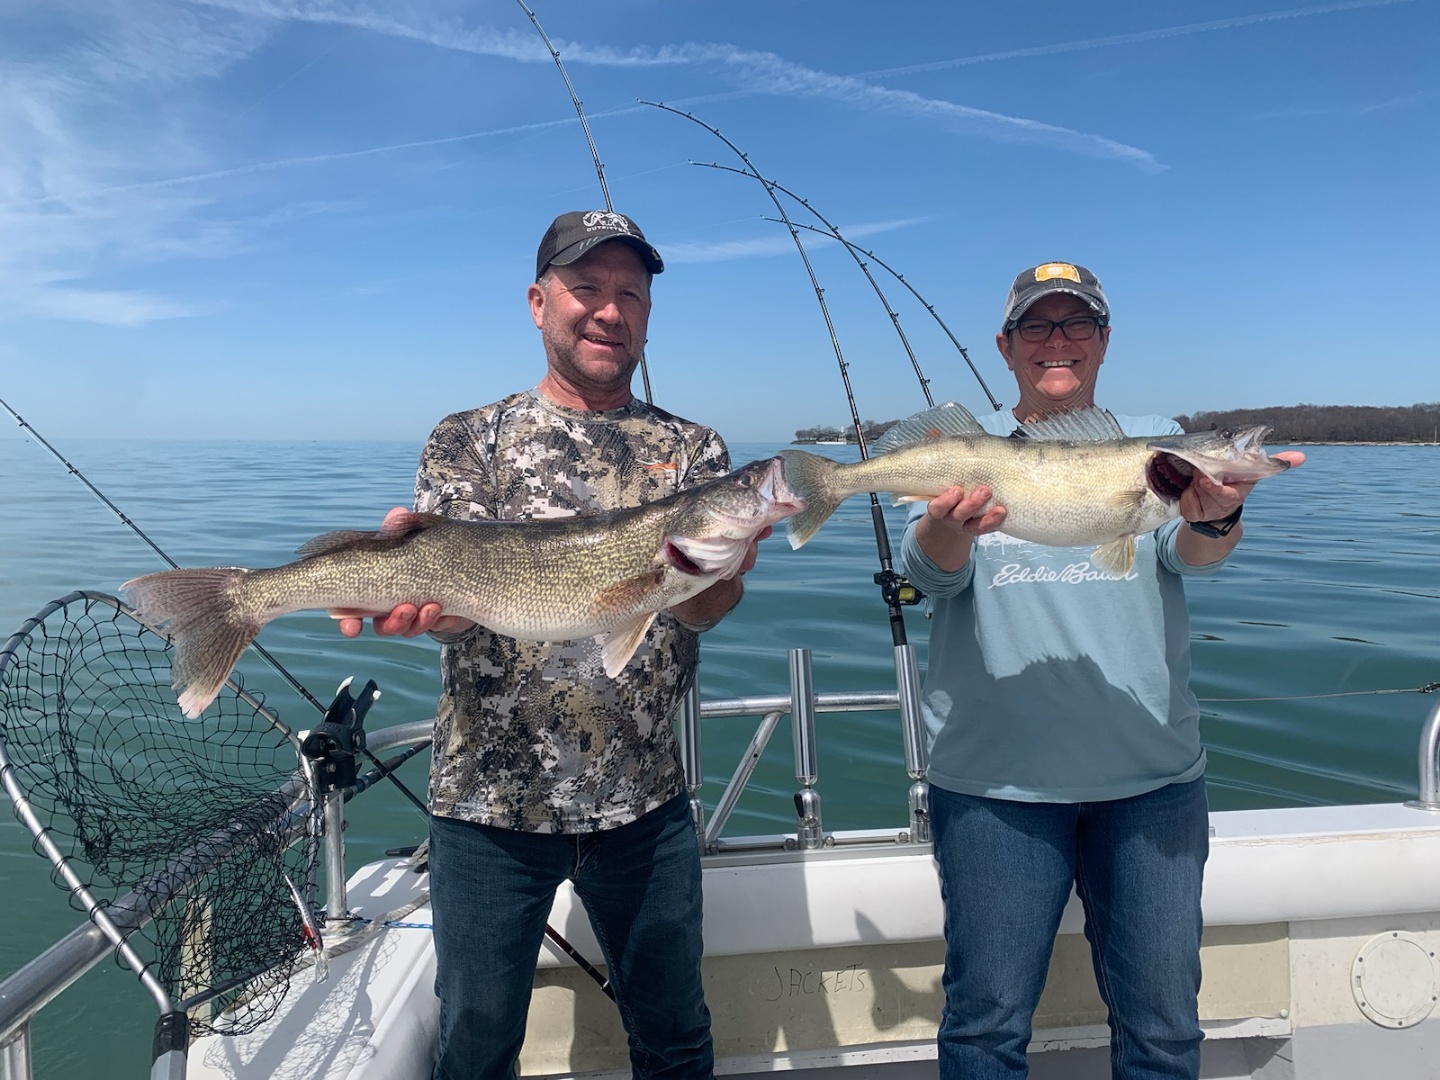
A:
196	819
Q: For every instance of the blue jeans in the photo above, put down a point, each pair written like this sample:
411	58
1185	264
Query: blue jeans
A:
491	890
1006	869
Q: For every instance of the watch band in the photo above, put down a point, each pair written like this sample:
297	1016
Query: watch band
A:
1220	526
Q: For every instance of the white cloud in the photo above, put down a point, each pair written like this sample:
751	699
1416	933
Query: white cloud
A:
1136	38
778	243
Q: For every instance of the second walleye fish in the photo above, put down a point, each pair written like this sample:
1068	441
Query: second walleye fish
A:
557	579
1074	479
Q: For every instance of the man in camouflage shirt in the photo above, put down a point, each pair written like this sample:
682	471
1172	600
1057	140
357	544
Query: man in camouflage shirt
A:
543	768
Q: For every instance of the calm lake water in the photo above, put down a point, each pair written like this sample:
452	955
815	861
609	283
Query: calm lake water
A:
1330	598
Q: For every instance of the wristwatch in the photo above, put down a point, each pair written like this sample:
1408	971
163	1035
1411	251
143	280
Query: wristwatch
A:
1219	527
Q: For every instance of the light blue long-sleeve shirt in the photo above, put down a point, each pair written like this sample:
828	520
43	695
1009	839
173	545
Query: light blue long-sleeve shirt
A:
1048	679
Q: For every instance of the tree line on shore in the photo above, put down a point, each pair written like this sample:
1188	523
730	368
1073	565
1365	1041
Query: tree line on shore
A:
1289	423
1329	423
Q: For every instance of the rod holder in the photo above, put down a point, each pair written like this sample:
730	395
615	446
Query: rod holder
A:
809	832
15	1056
690	756
337	900
802	715
920	813
912	720
1429	795
332	746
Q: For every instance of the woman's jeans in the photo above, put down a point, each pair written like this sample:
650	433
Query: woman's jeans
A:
1006	870
491	890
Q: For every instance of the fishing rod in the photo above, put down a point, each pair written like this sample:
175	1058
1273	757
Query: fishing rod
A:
579	110
835	233
995	404
125	520
383	769
894	589
855	251
260	650
594	154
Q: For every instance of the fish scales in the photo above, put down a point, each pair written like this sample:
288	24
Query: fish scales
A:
1072	479
1063	492
603	576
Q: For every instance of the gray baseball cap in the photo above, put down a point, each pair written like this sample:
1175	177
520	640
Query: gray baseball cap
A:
573	234
1054	277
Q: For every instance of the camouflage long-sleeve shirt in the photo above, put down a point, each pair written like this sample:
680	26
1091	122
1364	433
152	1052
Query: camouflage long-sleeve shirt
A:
533	735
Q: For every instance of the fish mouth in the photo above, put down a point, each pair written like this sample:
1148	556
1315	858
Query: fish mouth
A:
680	561
1226	457
778	495
1169	476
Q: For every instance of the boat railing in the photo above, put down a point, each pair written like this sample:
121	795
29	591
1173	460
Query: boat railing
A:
1428	797
29	990
803	705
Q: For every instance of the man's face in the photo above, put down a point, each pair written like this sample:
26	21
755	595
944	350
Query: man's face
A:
1057	373
593	316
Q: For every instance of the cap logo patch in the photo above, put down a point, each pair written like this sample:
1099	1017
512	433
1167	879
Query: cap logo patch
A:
605	219
1051	271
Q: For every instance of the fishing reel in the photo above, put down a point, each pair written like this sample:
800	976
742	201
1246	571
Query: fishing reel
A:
335	741
897	590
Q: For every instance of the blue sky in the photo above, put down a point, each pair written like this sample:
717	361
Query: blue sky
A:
314	219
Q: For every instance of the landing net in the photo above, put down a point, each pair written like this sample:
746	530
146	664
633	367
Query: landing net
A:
183	831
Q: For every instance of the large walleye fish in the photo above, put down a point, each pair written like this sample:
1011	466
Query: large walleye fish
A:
559	579
1074	479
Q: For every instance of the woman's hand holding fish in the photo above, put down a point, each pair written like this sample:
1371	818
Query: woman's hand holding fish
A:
1206	500
952	521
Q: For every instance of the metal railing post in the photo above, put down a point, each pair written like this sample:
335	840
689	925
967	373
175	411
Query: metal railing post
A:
690	755
1429	795
912	728
733	790
15	1056
809	832
337	900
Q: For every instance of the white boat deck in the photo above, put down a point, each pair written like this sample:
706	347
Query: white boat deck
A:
831	959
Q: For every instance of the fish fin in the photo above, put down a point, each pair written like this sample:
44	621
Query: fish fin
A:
1127	499
1088	424
618	646
808	476
1117	557
900	500
630	593
947	419
197	613
395	529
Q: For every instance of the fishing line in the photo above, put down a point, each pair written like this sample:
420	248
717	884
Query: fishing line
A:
892	586
260	650
895	590
383	770
1428	688
594	155
964	355
835	234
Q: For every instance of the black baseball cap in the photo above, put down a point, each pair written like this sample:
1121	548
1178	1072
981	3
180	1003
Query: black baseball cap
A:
572	235
1054	277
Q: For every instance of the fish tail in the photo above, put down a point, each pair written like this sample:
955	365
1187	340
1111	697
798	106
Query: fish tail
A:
808	476
197	611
